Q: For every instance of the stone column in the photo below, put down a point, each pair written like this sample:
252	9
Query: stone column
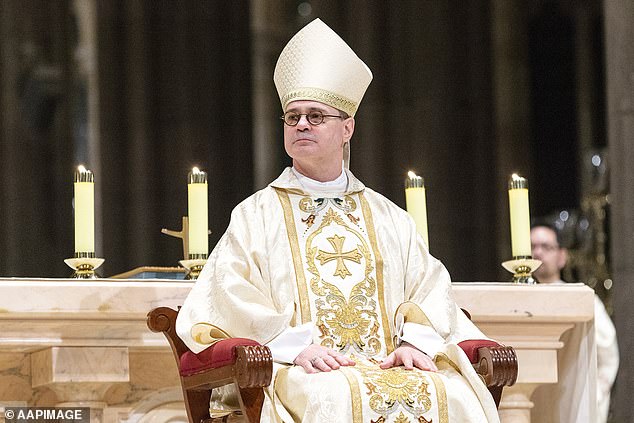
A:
619	42
269	28
516	405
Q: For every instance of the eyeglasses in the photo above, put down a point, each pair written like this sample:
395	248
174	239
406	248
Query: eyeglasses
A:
314	118
549	248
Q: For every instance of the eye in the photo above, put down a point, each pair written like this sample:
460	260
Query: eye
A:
315	117
292	117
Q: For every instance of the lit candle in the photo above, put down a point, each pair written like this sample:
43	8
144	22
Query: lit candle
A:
520	217
84	211
416	203
198	217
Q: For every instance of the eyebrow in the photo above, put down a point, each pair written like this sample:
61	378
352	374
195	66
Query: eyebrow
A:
311	109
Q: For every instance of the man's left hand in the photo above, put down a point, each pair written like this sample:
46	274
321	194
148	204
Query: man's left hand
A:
409	357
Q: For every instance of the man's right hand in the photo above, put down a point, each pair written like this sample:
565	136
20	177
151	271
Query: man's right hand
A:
316	358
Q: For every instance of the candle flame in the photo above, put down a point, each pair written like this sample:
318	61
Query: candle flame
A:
197	176
517	182
411	174
81	169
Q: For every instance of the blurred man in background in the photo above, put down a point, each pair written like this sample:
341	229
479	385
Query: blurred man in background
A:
546	246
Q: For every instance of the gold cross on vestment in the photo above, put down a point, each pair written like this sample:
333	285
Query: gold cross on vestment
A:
337	244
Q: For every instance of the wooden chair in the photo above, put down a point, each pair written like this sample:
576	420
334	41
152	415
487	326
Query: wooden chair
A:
250	366
236	360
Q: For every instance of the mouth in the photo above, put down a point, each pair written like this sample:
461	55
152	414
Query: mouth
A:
303	139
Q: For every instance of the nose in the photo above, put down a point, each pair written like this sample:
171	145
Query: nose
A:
303	122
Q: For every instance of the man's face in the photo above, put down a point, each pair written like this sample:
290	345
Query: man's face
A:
545	247
316	144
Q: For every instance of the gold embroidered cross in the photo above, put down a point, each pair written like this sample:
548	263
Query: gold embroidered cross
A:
337	244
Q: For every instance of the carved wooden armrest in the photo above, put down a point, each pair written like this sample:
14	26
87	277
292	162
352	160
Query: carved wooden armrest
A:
246	360
497	365
254	366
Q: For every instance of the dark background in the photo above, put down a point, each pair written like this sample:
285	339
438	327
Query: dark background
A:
464	93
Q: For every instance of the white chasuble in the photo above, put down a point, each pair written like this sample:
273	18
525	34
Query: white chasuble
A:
334	252
345	263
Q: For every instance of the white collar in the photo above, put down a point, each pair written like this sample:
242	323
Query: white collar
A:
340	184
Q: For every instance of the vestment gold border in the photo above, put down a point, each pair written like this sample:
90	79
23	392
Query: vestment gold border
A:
367	214
302	289
441	396
355	395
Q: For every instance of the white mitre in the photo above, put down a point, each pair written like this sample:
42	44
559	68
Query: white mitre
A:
318	65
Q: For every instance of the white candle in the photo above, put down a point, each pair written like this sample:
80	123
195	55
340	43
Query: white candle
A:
84	211
520	217
416	203
198	216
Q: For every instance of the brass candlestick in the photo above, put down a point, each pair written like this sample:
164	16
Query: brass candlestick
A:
194	265
523	265
84	265
522	269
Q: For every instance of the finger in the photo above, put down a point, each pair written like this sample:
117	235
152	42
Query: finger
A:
335	354
423	362
319	364
388	362
341	359
331	362
344	361
408	361
331	352
432	366
307	366
303	361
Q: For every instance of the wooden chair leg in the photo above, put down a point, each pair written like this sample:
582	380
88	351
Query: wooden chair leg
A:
496	393
197	405
252	400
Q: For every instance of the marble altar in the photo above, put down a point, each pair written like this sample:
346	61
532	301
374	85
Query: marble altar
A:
67	342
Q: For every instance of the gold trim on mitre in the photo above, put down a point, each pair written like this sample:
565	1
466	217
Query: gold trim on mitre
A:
318	65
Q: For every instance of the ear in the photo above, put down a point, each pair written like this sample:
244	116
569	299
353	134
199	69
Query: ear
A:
348	129
563	258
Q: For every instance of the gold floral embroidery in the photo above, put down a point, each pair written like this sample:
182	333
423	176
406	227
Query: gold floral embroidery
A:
344	321
308	205
394	388
401	418
351	205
